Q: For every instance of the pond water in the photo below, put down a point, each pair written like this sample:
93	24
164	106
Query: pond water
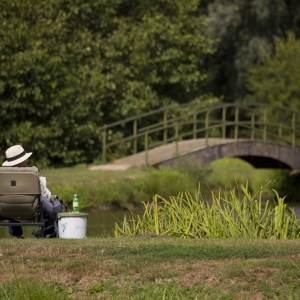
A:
102	223
98	224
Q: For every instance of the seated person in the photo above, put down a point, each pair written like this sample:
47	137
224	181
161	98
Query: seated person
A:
17	157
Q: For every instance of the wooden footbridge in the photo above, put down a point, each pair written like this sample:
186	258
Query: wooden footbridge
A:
263	135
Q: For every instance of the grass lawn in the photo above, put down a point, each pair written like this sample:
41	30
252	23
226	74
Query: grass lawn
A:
149	268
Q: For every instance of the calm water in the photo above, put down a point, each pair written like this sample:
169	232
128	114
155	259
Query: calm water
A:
100	223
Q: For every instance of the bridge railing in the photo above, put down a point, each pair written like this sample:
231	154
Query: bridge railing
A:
173	124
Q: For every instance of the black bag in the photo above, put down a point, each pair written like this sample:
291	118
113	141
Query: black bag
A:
54	206
51	209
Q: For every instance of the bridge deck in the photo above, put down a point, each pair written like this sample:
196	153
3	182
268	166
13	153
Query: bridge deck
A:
162	153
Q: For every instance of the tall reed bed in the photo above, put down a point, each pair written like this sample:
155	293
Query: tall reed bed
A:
230	215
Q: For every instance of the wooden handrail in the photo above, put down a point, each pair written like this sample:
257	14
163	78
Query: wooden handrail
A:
191	121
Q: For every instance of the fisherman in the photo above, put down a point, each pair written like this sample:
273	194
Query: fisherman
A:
16	156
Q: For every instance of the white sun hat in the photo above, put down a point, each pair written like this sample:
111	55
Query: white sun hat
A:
15	155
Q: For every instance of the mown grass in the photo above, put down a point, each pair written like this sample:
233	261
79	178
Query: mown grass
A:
19	288
149	268
128	189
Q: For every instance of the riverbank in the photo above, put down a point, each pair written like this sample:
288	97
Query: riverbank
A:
150	268
100	190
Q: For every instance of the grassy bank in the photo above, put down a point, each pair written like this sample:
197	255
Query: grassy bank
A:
122	189
149	268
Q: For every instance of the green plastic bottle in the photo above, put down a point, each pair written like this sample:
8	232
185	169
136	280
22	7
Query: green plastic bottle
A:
75	204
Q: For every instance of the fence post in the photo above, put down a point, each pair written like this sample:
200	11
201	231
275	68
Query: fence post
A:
104	145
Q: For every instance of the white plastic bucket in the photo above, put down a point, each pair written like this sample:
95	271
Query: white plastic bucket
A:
72	225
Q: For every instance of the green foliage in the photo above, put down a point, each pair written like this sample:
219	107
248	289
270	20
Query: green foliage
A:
230	215
276	80
67	68
287	184
87	196
126	189
164	181
223	174
243	28
120	191
96	287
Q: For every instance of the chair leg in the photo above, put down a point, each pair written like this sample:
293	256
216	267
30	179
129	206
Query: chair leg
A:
56	227
42	235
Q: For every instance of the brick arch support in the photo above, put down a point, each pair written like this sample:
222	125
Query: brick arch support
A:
259	154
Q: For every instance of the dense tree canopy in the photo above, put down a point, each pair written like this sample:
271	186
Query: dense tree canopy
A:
68	67
276	80
244	27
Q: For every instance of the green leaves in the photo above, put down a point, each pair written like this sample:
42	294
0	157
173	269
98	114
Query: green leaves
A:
70	67
243	28
224	216
276	80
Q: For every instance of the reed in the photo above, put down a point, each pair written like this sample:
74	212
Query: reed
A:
227	215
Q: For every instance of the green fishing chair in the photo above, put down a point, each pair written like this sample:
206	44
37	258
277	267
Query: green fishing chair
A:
20	197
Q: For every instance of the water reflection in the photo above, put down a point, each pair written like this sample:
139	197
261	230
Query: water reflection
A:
103	223
98	224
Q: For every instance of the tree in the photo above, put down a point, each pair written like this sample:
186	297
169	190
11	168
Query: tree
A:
244	27
68	67
276	80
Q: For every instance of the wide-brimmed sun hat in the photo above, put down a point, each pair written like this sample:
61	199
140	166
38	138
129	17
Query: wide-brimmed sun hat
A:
15	155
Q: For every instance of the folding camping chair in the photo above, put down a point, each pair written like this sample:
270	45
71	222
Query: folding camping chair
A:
20	197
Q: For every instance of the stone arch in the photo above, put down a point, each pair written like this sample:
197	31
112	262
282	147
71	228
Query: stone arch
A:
259	154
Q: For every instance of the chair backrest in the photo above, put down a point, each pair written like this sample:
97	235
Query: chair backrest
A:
19	192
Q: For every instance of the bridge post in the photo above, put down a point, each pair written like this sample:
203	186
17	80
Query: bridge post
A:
146	148
280	131
236	122
165	127
206	127
134	136
194	125
293	130
224	122
265	125
104	145
176	140
252	125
